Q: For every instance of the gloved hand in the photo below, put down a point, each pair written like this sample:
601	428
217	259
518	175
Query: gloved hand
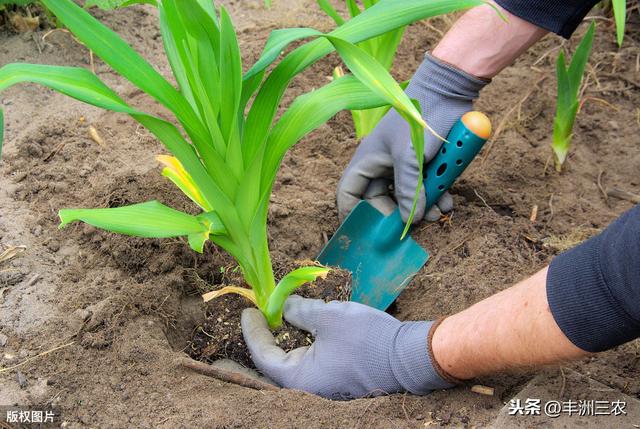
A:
358	351
445	94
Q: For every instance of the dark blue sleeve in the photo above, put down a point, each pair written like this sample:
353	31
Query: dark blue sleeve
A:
558	16
594	289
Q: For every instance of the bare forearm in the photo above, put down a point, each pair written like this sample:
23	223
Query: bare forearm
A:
512	329
482	44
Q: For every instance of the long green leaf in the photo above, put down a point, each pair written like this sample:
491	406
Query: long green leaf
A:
83	85
278	40
620	15
561	129
579	60
311	110
354	10
365	121
230	73
286	286
383	48
192	39
326	6
374	75
150	220
368	3
565	94
198	41
208	7
173	53
74	82
122	58
417	141
231	78
204	42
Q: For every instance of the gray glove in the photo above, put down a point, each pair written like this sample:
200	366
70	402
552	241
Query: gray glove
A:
358	351
445	94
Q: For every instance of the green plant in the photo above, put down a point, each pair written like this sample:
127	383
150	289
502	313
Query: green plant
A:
116	4
620	15
228	164
619	8
383	48
568	100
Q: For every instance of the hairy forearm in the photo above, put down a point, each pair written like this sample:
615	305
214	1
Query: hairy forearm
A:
482	44
512	329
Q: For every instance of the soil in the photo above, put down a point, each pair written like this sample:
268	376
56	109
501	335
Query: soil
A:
123	309
220	335
23	19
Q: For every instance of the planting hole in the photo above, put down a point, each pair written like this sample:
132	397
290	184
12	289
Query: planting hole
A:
441	169
440	187
444	150
459	144
459	162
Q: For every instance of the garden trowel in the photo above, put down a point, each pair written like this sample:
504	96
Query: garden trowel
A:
368	243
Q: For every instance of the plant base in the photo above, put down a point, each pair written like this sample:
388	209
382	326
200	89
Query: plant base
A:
220	335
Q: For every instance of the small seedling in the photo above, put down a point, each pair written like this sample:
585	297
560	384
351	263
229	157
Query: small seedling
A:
620	15
568	100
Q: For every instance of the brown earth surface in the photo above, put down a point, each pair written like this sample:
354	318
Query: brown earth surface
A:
126	308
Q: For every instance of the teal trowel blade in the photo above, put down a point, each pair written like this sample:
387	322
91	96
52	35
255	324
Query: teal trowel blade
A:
368	244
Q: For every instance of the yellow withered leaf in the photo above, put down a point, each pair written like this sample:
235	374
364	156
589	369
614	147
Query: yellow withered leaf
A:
175	172
247	293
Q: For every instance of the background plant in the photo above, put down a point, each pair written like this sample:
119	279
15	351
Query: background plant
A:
619	8
383	48
227	159
568	100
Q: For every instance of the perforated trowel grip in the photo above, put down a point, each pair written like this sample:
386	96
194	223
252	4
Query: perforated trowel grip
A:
464	142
